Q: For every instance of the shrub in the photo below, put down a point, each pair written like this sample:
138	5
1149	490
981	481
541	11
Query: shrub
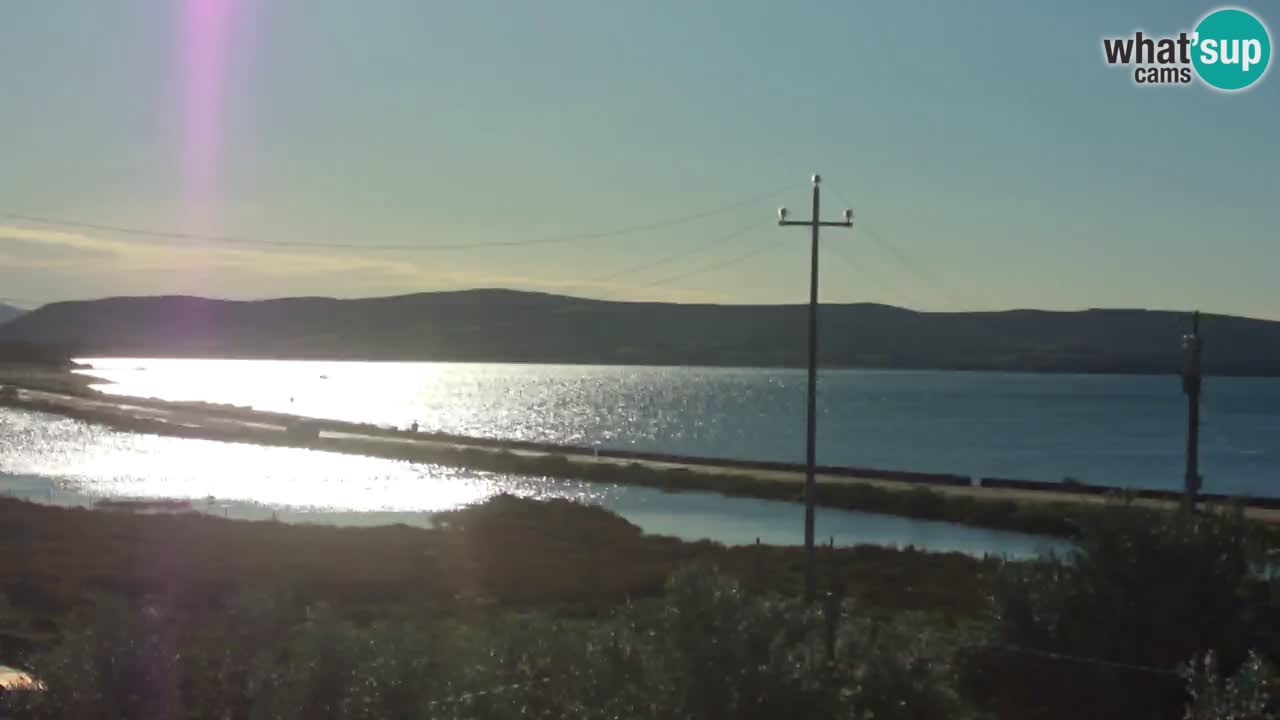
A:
708	649
112	664
1247	695
1139	593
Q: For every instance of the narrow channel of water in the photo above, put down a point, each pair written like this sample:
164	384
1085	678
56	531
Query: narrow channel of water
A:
52	459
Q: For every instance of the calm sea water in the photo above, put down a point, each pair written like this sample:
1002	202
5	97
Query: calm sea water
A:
1121	430
51	459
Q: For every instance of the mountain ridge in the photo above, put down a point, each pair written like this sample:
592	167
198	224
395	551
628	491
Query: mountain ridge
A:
500	325
9	312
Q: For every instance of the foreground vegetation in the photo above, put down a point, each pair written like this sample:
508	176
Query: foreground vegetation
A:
507	552
528	609
707	650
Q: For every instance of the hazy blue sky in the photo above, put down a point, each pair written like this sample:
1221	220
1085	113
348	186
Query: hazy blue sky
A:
987	141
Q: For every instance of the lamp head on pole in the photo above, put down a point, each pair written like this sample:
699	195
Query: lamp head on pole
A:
782	214
817	178
848	216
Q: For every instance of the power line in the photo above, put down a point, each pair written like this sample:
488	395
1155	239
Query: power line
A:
871	277
549	679
734	260
928	279
496	690
570	675
906	261
1084	660
236	240
680	255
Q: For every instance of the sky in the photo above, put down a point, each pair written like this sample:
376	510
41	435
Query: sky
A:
992	159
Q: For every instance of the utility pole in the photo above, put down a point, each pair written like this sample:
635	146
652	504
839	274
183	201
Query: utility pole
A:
814	222
1191	347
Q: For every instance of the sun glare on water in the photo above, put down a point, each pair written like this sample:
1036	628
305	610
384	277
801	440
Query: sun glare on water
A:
104	463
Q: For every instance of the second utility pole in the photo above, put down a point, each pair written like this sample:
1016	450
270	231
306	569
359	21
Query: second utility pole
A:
815	222
1192	346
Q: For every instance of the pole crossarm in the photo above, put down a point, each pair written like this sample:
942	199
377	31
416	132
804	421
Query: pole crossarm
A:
823	223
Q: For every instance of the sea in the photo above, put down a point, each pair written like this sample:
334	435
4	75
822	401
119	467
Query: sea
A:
1122	430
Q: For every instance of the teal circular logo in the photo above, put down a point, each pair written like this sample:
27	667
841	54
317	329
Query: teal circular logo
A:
1231	49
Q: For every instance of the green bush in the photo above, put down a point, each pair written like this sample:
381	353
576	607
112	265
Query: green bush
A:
1248	695
113	664
708	649
1140	593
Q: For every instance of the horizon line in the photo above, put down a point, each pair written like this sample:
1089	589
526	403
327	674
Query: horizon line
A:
582	298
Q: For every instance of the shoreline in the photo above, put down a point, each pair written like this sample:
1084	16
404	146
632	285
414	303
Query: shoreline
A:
1150	371
1047	511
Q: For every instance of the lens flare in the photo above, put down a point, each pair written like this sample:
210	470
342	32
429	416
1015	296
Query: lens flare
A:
206	32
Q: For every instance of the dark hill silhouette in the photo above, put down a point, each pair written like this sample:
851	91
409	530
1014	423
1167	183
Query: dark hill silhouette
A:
9	312
506	325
